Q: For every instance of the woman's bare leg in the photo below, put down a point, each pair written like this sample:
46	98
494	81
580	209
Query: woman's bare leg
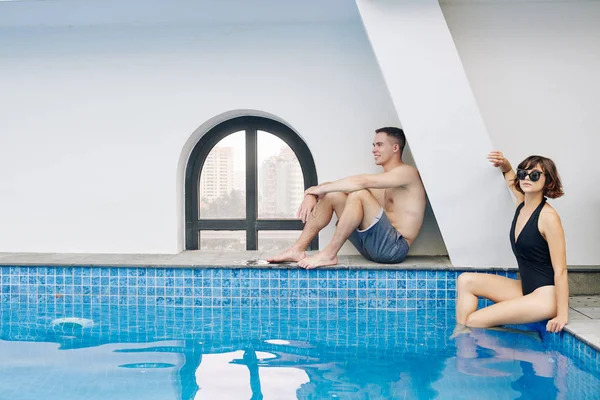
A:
536	306
471	285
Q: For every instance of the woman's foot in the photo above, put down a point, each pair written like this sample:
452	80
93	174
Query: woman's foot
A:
460	329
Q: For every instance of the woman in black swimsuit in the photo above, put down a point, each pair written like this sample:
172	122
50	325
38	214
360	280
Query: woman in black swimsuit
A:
538	242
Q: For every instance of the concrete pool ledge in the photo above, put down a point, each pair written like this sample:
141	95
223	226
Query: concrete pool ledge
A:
584	319
241	259
210	259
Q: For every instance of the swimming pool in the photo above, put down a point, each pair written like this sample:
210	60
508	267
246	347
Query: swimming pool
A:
166	333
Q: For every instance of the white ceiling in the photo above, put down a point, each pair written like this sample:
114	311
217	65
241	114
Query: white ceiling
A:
451	2
27	13
91	12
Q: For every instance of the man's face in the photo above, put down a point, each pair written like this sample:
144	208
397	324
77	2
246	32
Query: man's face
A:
384	148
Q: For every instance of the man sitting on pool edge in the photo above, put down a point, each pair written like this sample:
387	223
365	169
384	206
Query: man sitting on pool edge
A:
381	214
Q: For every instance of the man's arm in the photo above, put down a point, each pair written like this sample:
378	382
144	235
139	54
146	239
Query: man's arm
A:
398	176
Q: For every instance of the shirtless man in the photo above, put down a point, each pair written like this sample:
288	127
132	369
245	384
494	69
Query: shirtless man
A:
381	214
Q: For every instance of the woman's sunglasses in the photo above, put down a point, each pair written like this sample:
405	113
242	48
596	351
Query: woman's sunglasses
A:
533	175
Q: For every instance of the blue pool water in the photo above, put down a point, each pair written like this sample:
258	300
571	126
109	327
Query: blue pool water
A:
254	352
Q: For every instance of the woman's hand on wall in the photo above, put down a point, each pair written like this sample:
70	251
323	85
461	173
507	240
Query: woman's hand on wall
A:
499	161
557	324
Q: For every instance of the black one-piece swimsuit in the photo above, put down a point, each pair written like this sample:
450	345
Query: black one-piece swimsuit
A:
532	252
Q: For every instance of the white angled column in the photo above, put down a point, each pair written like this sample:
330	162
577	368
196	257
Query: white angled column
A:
444	128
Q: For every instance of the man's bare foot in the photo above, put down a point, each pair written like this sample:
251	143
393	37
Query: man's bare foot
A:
318	260
290	254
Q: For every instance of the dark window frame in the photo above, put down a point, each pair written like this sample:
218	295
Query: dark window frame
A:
251	224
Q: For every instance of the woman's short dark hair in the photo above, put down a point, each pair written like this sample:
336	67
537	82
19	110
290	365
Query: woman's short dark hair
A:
553	187
396	133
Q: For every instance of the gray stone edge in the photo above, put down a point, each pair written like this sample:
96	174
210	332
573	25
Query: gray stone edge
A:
429	267
581	337
386	267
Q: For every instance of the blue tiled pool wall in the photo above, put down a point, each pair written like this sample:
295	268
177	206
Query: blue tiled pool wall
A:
210	292
216	287
574	348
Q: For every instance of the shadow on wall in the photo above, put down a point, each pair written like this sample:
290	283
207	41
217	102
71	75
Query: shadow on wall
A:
430	241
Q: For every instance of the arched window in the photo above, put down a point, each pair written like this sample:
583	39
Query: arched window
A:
244	182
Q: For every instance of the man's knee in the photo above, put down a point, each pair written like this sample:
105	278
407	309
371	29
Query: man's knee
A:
336	198
359	194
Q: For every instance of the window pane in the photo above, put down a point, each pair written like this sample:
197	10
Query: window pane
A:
222	189
222	240
275	241
280	180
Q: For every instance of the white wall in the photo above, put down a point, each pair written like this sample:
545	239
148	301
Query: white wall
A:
96	114
96	119
535	71
435	103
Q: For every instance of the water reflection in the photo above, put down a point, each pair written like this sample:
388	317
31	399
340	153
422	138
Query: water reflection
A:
252	370
516	364
251	361
311	372
278	354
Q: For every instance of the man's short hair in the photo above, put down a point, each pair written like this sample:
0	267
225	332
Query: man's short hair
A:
395	133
